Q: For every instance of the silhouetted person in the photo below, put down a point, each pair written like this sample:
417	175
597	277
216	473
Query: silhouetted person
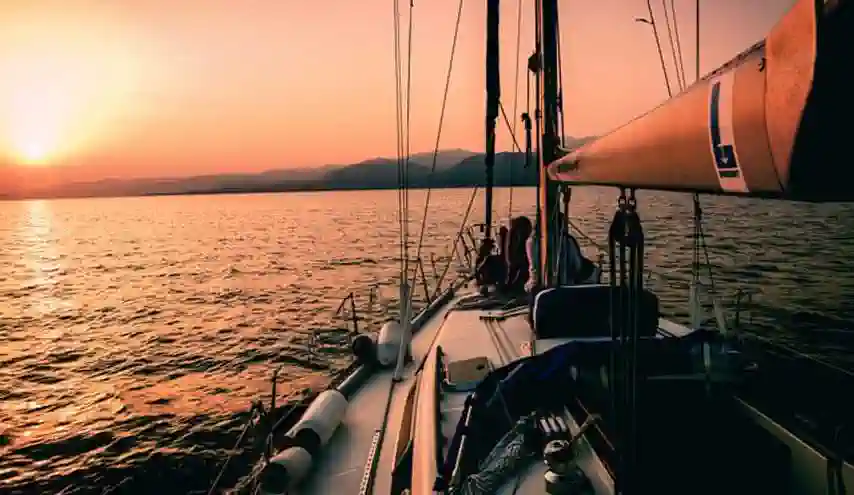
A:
502	240
517	259
491	269
573	267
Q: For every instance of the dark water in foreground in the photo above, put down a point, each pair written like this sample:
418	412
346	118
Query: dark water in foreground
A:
134	332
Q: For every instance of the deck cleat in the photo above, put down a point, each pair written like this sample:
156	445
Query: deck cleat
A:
563	476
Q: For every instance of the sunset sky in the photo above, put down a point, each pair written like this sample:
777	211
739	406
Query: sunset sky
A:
139	88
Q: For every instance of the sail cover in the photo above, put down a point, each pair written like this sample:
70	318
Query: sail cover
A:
772	122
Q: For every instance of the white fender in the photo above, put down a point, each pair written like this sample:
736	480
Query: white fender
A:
310	434
323	416
388	343
286	470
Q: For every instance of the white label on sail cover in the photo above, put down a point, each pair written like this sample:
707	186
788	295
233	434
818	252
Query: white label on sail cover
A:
722	136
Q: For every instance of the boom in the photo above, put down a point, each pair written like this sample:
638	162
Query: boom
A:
763	125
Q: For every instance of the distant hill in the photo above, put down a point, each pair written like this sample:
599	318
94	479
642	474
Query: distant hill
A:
454	168
185	185
380	173
509	170
444	159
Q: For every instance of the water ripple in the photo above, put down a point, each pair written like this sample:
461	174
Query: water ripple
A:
135	332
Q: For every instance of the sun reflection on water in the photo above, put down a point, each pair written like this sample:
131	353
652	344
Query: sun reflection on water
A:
42	259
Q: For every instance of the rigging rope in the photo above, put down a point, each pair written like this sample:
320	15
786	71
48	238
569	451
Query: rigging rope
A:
459	235
559	82
399	134
408	128
526	117
658	46
404	114
252	413
680	79
673	281
699	240
509	125
678	43
515	103
626	253
439	131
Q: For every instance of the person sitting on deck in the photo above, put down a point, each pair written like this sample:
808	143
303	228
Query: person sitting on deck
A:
574	268
517	260
491	268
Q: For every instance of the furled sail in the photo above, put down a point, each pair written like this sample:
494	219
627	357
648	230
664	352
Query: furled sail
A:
773	122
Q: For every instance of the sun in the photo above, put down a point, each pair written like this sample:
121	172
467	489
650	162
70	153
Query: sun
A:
37	136
63	89
34	153
38	124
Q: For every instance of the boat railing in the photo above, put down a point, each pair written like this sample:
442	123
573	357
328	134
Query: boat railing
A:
736	302
364	311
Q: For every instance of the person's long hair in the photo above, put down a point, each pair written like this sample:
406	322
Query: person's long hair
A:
515	254
520	229
503	239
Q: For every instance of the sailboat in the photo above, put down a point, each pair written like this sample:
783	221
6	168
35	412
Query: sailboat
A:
588	389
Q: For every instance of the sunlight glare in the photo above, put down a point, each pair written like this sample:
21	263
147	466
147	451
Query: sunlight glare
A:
34	153
62	91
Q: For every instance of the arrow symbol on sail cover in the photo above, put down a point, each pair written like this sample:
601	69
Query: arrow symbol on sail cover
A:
724	157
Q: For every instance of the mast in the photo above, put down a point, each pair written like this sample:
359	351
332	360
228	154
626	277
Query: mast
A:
493	94
550	140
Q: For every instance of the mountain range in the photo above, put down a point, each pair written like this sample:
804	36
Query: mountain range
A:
454	168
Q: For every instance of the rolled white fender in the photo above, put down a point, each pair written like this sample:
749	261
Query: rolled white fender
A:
322	417
388	343
305	440
286	470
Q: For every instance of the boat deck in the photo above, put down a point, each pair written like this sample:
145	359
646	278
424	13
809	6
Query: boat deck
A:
496	335
499	337
472	333
341	467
